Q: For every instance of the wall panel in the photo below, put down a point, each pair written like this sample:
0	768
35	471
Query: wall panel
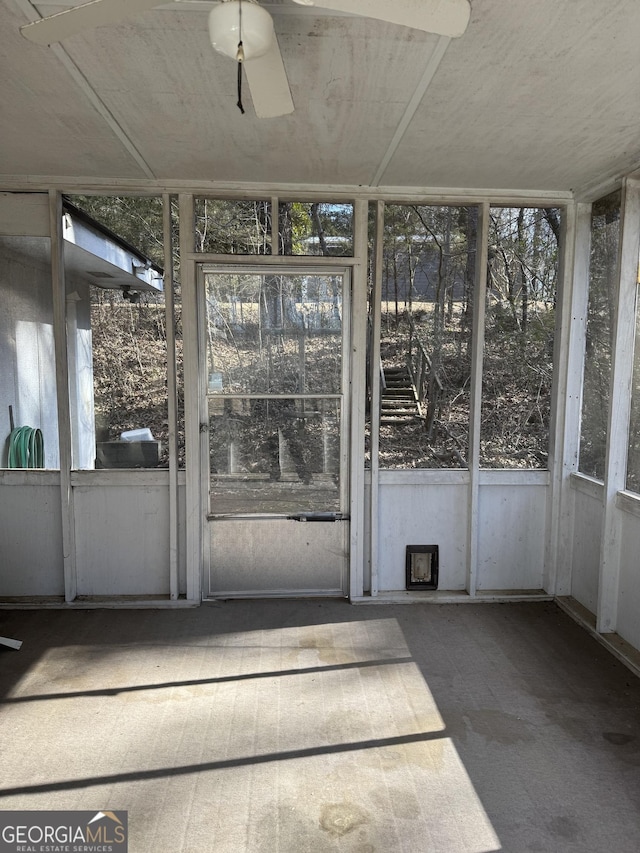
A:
587	536
122	536
30	534
511	536
628	624
423	515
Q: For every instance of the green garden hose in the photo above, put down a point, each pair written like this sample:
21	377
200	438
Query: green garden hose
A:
26	448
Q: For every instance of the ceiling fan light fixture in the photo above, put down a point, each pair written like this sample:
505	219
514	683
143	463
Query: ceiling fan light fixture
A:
235	21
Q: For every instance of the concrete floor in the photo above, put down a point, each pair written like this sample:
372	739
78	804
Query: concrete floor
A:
291	726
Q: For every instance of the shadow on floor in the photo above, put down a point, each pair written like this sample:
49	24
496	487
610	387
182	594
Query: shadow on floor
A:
315	725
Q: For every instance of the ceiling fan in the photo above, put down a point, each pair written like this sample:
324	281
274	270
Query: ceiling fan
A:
243	30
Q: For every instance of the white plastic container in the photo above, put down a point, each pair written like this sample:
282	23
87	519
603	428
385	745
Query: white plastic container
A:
136	435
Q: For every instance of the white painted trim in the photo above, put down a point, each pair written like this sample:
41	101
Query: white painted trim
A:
619	406
618	647
598	188
98	603
514	477
292	263
586	485
123	477
374	413
559	396
433	63
294	192
172	399
452	597
192	403
358	400
475	393
424	477
628	502
276	593
460	477
567	402
58	285
275	226
122	135
29	477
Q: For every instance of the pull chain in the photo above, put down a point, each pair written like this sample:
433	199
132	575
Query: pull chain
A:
239	104
240	58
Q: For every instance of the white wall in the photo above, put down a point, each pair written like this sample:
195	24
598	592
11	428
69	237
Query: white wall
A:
421	514
511	535
27	378
628	624
587	539
30	534
432	508
122	533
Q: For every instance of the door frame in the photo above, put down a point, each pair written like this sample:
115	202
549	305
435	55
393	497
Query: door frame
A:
195	442
332	266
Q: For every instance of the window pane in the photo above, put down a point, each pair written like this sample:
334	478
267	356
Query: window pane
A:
315	228
605	236
274	333
519	337
116	329
274	455
425	348
227	227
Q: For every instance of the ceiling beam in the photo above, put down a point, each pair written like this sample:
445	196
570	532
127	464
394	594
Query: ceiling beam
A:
92	96
407	117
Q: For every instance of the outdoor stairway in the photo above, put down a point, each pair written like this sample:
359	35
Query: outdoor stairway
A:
398	399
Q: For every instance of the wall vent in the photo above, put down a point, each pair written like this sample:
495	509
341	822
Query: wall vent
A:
422	566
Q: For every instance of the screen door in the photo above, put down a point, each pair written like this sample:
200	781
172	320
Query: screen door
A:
277	430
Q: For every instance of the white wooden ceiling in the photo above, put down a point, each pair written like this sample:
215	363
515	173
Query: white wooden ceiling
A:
538	95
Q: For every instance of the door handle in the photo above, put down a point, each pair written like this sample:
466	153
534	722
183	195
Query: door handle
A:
317	516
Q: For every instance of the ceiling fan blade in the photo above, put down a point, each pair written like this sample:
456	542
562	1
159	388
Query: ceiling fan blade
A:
67	23
268	84
443	17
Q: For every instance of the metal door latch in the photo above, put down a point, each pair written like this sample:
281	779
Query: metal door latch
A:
317	516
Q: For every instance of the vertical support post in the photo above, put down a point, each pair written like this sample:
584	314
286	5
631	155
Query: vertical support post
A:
275	225
172	395
619	405
566	403
479	310
358	398
192	400
62	394
374	414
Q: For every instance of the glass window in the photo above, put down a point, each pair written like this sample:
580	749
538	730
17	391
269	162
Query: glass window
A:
116	328
605	237
274	333
519	337
274	344
315	228
425	337
229	227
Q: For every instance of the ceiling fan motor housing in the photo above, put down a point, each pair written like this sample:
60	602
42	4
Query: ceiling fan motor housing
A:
236	21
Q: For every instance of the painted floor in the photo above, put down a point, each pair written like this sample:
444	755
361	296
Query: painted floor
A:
291	726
